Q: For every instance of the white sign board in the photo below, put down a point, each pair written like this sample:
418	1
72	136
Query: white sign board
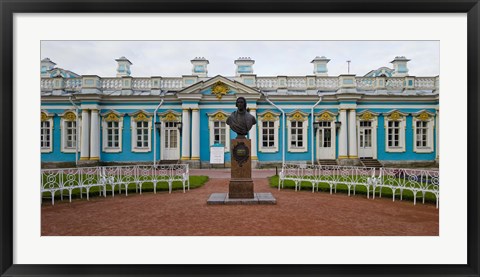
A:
217	155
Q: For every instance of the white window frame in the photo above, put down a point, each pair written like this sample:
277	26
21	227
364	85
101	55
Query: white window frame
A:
276	127
63	132
133	125
304	129
402	125
215	117
430	126
105	121
46	117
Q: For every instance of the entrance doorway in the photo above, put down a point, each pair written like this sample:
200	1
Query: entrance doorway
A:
170	149
365	140
325	141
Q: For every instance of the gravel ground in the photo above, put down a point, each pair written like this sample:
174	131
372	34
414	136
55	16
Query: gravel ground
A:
301	213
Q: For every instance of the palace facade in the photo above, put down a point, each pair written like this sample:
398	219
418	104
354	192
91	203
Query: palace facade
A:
385	115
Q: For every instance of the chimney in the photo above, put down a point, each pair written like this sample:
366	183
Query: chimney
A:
200	66
123	68
244	66
46	65
400	68
320	66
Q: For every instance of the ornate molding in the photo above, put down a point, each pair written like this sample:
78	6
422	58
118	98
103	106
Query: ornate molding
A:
325	116
219	117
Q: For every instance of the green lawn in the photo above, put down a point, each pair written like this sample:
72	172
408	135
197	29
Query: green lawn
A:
360	190
195	182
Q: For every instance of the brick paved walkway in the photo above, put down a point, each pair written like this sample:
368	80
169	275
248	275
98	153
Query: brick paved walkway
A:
300	213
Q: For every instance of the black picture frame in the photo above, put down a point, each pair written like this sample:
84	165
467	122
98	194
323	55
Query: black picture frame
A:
9	7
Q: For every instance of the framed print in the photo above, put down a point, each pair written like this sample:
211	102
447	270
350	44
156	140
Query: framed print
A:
161	121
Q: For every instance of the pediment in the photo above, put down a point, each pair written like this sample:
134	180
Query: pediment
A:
219	87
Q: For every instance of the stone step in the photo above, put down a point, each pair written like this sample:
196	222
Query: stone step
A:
371	163
327	162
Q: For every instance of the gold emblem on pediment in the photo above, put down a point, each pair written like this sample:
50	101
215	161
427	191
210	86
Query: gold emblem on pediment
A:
170	117
325	117
44	117
395	116
297	117
141	117
112	117
269	117
219	117
70	116
366	116
220	89
423	116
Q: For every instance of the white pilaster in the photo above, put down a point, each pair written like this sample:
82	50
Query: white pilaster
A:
252	134
185	134
195	134
85	149
342	137
95	136
352	135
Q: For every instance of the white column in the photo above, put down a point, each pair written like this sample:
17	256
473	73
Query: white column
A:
85	143
352	135
253	135
186	134
95	136
195	134
342	137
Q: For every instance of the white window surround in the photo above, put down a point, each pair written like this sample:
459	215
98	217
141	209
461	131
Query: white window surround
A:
47	117
112	116
144	117
219	116
396	115
270	117
373	117
301	117
428	117
70	116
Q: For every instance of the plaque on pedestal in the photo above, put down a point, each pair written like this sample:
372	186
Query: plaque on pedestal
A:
241	184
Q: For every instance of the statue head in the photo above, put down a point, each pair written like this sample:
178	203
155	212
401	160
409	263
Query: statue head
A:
241	104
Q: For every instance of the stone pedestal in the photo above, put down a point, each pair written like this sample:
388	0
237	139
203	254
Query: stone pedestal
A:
241	184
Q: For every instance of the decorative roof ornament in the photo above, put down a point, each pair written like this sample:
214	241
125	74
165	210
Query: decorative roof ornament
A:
220	89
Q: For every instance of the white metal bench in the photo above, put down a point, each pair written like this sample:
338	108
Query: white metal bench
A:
60	180
396	179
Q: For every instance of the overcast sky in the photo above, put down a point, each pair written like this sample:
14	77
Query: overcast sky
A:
272	58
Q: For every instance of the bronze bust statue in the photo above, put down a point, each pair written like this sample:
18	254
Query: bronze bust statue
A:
241	121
